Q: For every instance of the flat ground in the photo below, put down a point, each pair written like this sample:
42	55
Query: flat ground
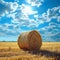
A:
11	51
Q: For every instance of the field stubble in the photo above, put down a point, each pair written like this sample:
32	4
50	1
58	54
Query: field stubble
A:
11	51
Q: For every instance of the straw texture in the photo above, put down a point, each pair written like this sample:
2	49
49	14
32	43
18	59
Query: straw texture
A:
30	40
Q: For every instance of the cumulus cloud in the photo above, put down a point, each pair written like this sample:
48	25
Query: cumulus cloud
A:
10	29
52	14
36	3
7	7
51	32
52	28
19	13
21	18
46	17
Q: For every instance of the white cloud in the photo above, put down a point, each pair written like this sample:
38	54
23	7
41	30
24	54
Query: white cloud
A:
49	15
53	13
27	10
13	6
20	18
19	14
35	2
2	34
7	7
51	30
32	23
58	18
12	29
1	27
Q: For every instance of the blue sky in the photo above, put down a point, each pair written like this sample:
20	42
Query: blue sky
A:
17	16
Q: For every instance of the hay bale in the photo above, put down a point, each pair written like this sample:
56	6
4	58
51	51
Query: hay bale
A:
30	40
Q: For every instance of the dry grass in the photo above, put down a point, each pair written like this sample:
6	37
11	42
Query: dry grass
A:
11	51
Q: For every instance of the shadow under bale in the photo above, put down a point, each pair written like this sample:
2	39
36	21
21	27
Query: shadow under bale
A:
46	53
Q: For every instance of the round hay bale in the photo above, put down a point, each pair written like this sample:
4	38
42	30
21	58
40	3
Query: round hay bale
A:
30	40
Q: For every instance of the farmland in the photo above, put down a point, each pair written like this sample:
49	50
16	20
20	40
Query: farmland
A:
11	51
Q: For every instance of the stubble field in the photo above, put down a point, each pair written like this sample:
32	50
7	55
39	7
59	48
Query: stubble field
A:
11	51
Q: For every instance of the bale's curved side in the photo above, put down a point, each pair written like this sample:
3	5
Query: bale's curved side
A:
30	40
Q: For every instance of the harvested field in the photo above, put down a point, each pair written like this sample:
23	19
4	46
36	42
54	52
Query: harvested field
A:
48	51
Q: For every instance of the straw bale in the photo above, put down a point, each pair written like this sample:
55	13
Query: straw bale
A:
30	40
